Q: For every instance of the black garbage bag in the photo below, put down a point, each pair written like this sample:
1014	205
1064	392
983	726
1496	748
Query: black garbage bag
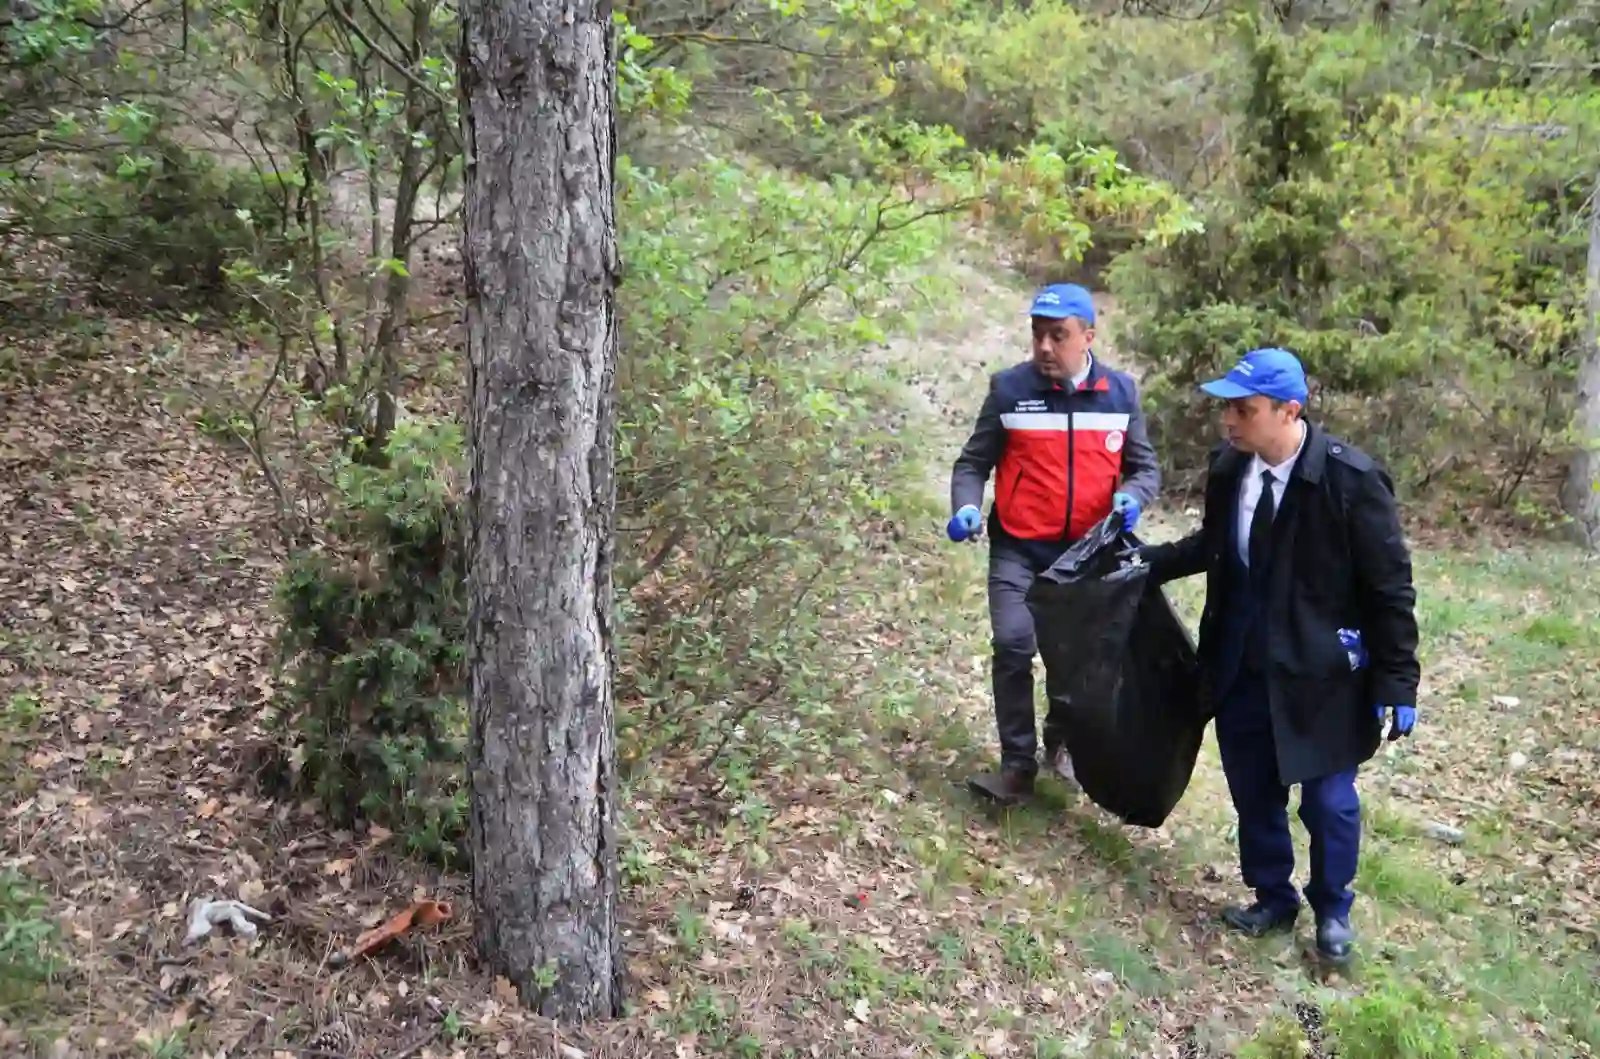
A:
1118	651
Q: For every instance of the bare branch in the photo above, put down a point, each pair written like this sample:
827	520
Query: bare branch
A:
1498	60
759	42
403	69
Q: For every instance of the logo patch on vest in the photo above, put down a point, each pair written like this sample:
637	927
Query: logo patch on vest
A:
1031	404
1114	441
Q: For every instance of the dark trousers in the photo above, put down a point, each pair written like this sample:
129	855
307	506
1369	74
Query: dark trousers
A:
1011	573
1329	807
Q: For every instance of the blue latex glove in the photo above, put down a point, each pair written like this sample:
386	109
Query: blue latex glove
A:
1351	640
1405	719
1128	504
967	522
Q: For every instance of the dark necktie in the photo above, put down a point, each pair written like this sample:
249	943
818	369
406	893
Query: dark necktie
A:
1261	530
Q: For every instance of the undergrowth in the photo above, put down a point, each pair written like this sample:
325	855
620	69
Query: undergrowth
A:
755	481
374	631
29	953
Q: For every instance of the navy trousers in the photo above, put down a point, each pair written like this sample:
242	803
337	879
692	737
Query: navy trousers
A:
1329	807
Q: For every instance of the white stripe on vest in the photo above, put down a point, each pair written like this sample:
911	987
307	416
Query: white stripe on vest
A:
1054	421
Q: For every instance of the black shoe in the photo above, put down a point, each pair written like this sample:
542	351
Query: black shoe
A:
1259	920
1335	941
1012	785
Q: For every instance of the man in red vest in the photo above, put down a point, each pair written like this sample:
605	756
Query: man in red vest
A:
1064	436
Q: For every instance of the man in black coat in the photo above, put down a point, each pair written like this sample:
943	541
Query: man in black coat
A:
1301	546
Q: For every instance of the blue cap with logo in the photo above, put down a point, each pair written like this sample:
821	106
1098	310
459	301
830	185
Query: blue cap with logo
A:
1272	372
1061	300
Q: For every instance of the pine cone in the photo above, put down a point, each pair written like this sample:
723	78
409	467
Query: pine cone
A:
334	1039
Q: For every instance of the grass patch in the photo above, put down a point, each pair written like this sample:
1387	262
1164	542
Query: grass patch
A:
29	952
1389	876
1508	623
1124	958
1418	895
1406	1020
1025	950
1560	631
1510	975
21	719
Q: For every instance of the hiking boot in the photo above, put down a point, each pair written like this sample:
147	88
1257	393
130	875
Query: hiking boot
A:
1335	941
1010	786
1259	920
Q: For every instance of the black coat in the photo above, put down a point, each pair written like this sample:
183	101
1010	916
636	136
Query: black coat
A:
1339	560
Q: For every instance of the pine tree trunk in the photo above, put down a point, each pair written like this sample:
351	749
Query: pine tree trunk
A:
1582	493
539	249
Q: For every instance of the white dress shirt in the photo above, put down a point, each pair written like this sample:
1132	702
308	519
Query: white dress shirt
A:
1083	376
1250	494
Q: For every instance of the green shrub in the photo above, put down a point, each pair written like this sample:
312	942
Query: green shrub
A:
374	632
29	957
754	455
922	95
1429	280
157	224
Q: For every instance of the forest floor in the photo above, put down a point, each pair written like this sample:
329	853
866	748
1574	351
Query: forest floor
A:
872	911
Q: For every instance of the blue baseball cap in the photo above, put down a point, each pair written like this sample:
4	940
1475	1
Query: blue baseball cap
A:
1272	372
1061	300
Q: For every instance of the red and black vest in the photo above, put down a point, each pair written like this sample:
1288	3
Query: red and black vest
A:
1063	451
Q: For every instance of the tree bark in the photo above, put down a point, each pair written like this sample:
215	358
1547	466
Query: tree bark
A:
540	256
1582	493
